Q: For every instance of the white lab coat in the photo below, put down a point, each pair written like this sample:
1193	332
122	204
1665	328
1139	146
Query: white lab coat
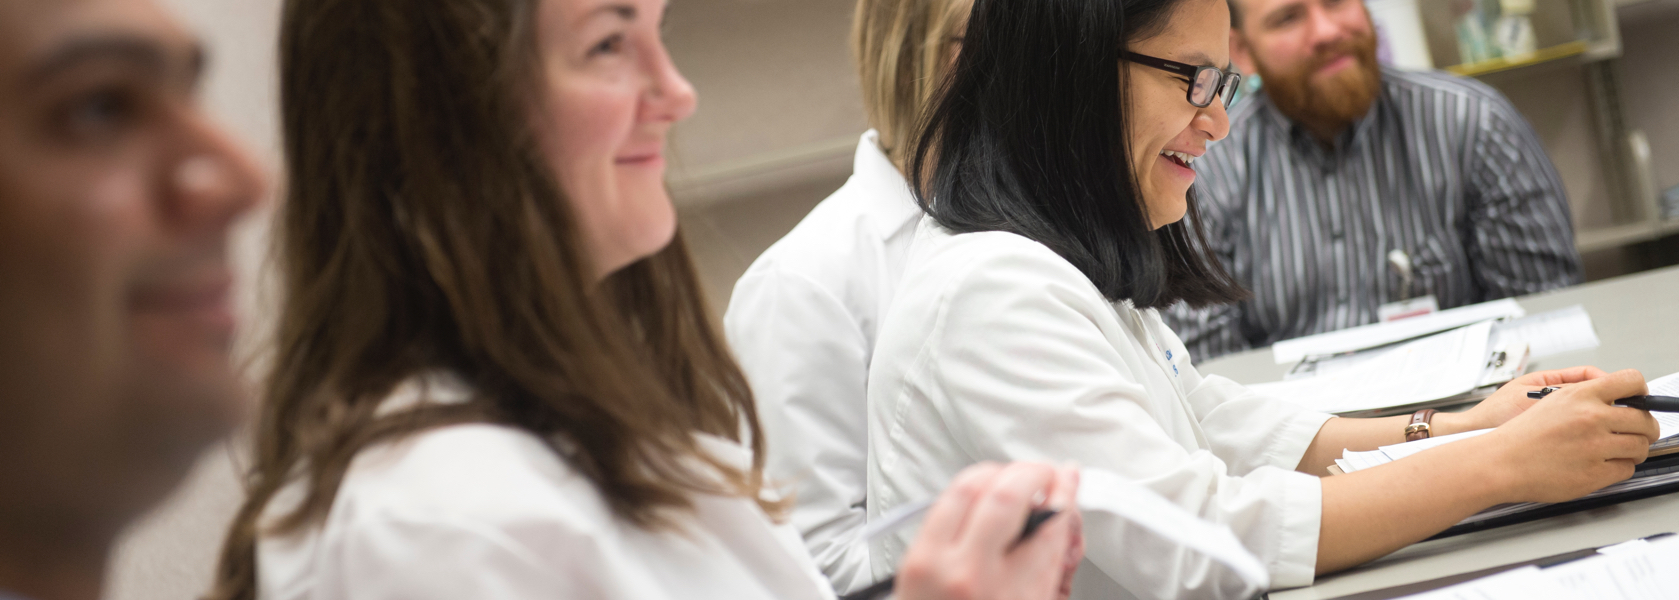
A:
996	348
802	323
490	512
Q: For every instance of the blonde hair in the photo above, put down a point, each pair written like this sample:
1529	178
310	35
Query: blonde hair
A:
903	49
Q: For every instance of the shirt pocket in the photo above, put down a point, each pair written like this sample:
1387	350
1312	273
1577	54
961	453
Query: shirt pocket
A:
1435	269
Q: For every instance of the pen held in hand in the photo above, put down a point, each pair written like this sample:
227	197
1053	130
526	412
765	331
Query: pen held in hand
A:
883	587
1651	403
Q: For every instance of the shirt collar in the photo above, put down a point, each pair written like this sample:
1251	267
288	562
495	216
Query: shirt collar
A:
876	173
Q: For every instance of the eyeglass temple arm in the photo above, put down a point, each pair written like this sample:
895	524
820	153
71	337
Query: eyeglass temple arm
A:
1160	63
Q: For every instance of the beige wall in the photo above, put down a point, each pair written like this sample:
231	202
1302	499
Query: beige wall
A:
772	75
1556	103
726	237
1649	72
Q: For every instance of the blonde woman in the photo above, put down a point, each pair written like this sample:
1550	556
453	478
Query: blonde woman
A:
802	319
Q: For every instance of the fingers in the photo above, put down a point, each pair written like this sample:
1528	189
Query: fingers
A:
1561	376
1612	387
1075	550
946	519
1620	469
999	514
1055	550
1629	447
1065	491
1065	499
1049	550
1635	422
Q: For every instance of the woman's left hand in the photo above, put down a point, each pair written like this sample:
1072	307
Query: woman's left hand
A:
1512	400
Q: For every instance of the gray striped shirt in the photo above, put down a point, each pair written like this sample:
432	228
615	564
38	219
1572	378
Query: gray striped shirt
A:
1442	167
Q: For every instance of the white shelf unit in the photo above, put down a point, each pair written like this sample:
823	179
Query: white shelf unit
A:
1580	44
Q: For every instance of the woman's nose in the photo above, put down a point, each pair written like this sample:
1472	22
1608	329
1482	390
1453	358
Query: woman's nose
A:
1214	121
672	98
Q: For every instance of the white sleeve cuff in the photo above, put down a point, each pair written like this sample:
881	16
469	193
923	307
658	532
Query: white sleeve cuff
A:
1295	562
1295	435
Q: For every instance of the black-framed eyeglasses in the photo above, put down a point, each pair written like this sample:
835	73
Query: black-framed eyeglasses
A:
1205	83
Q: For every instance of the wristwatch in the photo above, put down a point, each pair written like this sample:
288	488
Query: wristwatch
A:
1418	429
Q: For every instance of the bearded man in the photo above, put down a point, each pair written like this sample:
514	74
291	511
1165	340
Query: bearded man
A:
1348	192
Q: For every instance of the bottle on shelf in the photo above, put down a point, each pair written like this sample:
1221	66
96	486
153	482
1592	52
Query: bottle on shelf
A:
1513	31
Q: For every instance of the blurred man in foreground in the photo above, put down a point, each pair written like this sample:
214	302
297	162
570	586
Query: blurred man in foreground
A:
116	197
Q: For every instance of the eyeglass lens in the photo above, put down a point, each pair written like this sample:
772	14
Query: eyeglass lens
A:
1206	86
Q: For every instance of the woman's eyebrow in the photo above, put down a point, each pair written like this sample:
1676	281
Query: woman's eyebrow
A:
1200	59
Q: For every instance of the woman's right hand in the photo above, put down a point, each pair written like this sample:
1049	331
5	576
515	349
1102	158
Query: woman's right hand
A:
967	550
1575	441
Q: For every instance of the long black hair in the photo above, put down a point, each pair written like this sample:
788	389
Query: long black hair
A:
1029	136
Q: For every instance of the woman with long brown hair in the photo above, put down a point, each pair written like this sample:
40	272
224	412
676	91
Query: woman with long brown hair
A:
495	376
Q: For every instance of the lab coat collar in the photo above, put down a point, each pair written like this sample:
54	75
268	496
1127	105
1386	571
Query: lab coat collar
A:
888	195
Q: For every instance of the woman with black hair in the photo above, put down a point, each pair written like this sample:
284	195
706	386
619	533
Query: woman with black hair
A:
1056	170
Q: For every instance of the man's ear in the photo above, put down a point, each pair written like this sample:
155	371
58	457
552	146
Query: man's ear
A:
1241	53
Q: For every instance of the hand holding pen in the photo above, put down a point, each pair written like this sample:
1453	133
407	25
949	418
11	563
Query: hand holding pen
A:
971	545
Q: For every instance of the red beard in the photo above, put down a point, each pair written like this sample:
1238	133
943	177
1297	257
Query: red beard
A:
1326	105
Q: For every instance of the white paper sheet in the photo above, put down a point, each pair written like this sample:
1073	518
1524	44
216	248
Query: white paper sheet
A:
1103	491
1382	334
1666	386
1550	333
1636	571
1356	461
1438	366
1106	491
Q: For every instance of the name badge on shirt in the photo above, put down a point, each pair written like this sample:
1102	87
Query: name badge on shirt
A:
1404	309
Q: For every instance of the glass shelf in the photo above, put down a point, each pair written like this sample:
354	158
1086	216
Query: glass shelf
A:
1543	55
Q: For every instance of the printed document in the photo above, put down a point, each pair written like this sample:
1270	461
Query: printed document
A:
1432	368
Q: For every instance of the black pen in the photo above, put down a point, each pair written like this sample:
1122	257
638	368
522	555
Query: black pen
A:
883	587
1651	403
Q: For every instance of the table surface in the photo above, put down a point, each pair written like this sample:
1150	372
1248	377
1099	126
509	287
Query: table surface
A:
1637	319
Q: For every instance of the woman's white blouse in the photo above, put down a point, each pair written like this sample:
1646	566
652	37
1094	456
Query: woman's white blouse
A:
996	348
492	513
803	321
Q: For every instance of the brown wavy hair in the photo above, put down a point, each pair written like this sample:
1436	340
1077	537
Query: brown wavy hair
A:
423	231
